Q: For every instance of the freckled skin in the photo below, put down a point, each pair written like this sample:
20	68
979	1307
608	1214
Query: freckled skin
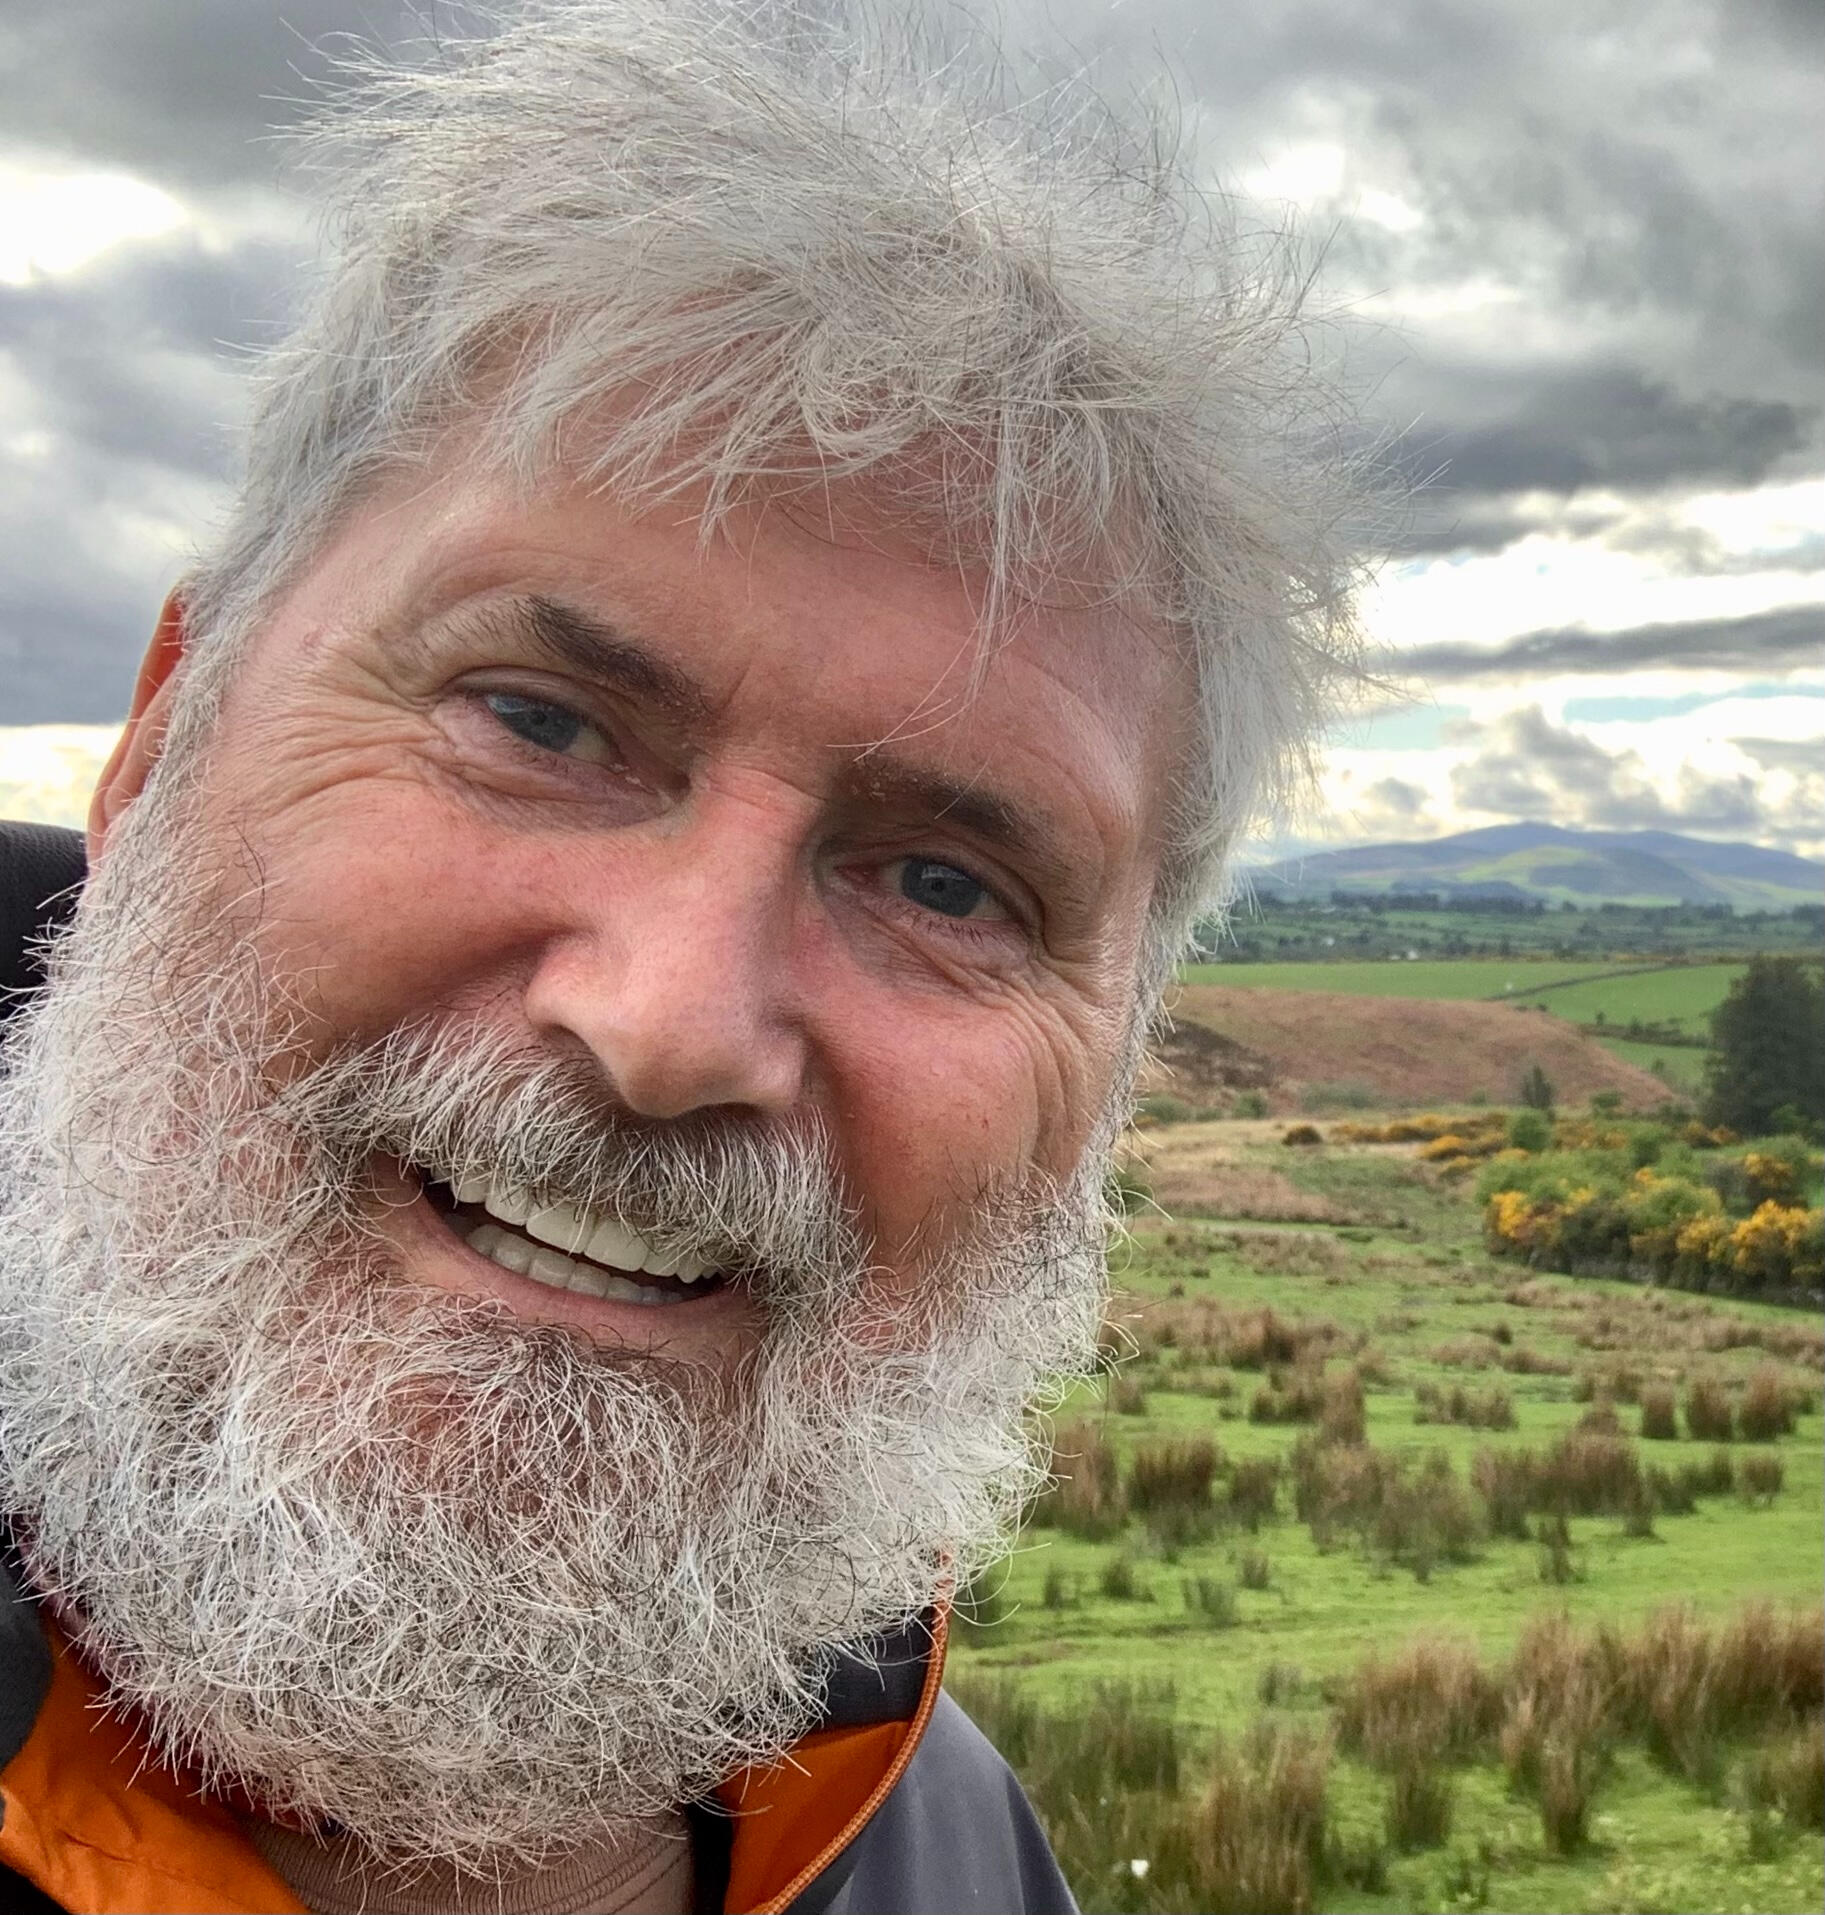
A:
709	906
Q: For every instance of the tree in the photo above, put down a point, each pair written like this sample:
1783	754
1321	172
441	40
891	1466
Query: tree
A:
1768	1047
1537	1090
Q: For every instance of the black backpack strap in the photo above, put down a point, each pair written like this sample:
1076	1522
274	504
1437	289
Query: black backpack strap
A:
42	868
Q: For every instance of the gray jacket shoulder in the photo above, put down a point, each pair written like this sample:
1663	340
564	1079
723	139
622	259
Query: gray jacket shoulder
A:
954	1837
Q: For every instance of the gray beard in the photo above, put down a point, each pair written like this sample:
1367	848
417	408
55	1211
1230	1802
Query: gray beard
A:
470	1587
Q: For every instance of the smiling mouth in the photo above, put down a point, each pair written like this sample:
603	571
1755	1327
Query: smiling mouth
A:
567	1248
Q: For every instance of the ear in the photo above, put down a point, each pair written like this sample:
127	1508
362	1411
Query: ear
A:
124	776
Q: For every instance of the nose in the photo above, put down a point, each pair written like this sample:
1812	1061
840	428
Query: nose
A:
675	972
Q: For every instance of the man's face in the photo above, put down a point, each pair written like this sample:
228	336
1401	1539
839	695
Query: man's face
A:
733	829
702	891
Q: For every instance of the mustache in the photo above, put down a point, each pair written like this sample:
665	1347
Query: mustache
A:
759	1197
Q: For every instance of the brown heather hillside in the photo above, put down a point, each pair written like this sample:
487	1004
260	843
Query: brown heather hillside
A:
1405	1051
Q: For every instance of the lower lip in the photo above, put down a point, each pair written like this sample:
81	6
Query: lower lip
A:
440	1257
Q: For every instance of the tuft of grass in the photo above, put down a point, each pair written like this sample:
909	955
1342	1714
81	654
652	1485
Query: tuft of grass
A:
1418	1814
1759	1478
1430	1702
1083	1495
1118	1582
1786	1775
1259	1845
1254	1490
1659	1413
1558	1727
1128	1396
1766	1410
1491	1409
1279	1683
1210	1600
1253	1570
1172	1479
1709	1418
1343	1409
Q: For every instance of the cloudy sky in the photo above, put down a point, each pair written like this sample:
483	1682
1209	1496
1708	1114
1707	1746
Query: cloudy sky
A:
1589	237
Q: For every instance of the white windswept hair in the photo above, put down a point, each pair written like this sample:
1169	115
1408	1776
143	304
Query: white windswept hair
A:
757	247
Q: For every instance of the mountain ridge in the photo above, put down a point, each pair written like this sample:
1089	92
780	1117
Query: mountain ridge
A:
1557	863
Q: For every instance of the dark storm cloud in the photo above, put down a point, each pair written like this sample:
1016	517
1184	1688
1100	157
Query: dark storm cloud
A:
1641	192
1786	639
138	355
1532	768
182	91
1610	427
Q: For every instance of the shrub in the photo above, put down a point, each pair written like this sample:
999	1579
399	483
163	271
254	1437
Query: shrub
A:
1709	1418
1211	1600
1260	1841
1302	1135
1253	1570
1658	1413
1766	1410
1759	1477
1251	1103
1537	1090
1060	1590
1530	1130
1779	1247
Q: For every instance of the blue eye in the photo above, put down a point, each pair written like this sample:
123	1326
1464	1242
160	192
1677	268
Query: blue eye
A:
941	887
549	726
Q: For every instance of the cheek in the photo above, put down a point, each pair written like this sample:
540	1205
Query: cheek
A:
393	904
932	1099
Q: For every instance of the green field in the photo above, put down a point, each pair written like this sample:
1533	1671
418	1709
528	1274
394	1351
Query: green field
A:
1681	1065
1411	1299
1391	977
1681	996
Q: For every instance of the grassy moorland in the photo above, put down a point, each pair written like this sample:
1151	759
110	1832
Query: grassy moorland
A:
1678	997
1387	1574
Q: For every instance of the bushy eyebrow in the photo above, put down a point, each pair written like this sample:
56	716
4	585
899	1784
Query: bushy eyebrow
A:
573	641
880	780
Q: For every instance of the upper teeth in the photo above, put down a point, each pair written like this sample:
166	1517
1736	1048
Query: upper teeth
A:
574	1232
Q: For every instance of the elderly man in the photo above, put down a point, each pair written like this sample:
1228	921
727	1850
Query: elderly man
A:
567	1131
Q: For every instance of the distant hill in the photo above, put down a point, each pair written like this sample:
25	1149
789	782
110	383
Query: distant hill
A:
1403	1051
1556	864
